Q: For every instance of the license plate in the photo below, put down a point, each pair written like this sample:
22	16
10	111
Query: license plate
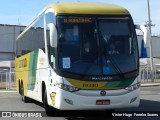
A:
102	102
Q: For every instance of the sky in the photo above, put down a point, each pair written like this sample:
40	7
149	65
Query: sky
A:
22	12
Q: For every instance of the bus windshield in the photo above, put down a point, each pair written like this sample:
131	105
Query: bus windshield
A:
96	45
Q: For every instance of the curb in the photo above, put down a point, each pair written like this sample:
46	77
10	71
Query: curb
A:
3	90
7	91
150	84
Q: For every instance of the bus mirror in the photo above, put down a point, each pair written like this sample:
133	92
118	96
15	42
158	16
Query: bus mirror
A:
52	34
146	34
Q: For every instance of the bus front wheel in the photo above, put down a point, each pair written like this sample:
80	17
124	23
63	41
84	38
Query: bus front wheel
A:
50	111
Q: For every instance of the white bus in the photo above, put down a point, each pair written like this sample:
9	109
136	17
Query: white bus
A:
79	56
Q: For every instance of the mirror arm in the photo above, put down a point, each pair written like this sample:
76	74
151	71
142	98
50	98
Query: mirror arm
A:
146	34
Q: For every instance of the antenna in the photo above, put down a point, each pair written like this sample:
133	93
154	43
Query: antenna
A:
20	29
19	21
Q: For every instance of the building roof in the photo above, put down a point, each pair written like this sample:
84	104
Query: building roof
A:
87	8
10	25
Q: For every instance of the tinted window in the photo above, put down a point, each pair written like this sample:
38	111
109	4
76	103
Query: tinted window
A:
32	39
97	45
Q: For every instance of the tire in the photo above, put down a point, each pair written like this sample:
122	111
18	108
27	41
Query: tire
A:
23	97
20	92
109	112
50	111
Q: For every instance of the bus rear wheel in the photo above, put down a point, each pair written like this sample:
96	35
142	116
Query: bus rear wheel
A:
23	97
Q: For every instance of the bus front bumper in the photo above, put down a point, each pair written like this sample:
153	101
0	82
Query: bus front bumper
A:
65	100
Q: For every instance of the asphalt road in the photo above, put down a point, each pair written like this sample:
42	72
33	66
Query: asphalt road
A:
11	101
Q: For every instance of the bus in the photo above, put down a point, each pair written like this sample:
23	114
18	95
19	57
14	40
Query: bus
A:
63	58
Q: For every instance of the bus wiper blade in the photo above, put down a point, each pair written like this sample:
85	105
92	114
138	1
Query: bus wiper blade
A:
113	63
115	66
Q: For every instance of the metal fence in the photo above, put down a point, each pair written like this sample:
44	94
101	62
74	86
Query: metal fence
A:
145	74
7	80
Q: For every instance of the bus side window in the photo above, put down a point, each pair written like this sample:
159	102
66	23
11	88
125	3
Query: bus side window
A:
39	33
32	39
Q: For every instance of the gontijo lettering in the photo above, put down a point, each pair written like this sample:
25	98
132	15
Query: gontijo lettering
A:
23	63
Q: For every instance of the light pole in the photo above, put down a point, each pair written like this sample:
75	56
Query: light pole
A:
150	50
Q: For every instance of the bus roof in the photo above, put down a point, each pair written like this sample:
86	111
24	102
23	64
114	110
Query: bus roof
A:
92	8
87	8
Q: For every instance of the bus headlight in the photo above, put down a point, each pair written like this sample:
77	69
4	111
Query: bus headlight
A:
67	87
133	87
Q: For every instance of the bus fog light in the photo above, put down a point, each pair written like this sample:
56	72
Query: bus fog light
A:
69	101
133	99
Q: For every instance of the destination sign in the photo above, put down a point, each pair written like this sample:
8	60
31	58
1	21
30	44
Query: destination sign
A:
78	20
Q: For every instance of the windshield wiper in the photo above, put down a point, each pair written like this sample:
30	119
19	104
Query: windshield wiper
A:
115	66
113	63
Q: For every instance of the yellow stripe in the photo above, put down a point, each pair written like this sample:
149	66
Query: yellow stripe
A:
86	84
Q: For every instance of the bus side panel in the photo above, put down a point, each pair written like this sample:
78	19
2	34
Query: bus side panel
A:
39	72
17	75
32	70
41	75
21	68
26	70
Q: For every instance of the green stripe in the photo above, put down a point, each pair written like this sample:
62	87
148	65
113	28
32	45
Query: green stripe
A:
119	84
32	70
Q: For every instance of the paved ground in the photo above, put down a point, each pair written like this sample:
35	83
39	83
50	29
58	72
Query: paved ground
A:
11	101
